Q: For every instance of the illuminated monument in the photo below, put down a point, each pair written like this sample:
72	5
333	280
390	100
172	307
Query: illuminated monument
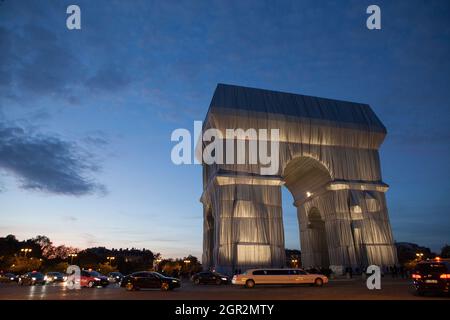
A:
329	161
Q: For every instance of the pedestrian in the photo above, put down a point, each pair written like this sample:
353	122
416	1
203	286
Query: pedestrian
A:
402	272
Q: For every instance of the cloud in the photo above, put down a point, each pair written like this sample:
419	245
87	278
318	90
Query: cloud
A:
46	163
5	59
108	78
34	61
70	218
38	62
96	139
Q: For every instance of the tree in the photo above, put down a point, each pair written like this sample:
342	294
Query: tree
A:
11	238
190	264
45	245
22	264
406	252
445	252
105	268
9	245
59	267
62	252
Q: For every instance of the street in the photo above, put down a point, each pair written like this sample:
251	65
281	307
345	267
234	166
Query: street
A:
342	289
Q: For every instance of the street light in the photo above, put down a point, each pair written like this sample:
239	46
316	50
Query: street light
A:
156	264
419	255
110	260
72	255
25	251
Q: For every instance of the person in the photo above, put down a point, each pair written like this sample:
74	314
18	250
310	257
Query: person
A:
364	272
402	272
395	270
348	272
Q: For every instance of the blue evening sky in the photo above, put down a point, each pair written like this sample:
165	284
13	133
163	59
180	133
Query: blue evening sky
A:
86	116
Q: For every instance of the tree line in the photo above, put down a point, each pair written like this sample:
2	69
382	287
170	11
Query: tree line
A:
39	253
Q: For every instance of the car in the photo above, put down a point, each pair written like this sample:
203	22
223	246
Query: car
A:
8	277
92	279
149	280
432	276
252	277
52	277
31	278
115	277
209	277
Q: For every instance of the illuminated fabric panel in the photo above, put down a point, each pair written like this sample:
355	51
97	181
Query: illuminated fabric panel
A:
249	254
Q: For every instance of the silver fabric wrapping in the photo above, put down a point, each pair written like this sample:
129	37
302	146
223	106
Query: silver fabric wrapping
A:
328	160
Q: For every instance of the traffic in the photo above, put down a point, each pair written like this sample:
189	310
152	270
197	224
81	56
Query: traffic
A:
428	277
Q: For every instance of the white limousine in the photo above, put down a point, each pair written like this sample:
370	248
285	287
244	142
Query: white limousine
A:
252	277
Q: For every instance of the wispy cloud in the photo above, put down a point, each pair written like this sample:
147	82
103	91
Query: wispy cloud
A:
70	218
46	163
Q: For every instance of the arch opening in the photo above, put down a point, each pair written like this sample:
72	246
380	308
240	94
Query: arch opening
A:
306	178
318	243
209	239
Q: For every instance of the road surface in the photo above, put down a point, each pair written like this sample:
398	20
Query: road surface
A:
391	289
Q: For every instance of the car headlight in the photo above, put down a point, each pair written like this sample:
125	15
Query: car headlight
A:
224	279
45	278
33	278
175	281
12	278
97	279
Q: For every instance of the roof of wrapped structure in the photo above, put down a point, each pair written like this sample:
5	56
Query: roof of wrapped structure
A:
294	105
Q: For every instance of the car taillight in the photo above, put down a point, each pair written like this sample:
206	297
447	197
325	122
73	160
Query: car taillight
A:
416	276
445	276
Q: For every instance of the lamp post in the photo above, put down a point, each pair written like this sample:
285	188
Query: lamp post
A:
110	259
419	256
72	255
187	262
25	251
294	263
157	261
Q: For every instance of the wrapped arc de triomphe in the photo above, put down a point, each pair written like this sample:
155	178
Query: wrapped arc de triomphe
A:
329	161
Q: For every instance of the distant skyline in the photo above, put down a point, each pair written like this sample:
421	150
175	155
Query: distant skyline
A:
86	115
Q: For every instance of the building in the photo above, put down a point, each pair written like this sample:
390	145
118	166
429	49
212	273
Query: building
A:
329	161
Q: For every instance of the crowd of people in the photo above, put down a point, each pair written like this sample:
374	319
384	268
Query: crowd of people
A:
395	271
